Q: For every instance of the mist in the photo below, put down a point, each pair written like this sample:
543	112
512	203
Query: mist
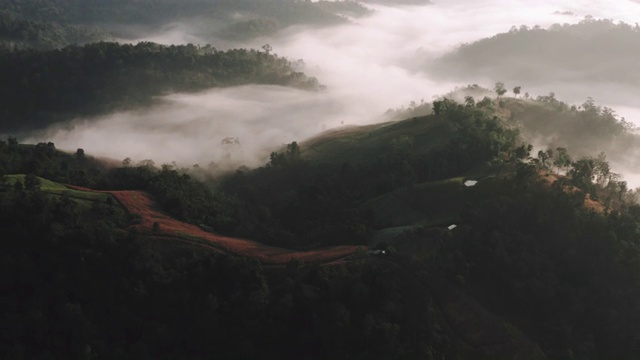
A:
188	129
368	66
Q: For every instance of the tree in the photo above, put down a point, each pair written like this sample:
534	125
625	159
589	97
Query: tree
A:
613	186
441	107
147	163
291	156
601	169
582	174
523	151
543	157
469	101
277	159
561	159
623	189
499	89
516	90
485	103
267	48
293	151
80	154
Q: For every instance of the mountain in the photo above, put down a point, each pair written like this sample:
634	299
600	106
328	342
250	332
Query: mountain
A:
103	19
593	51
478	248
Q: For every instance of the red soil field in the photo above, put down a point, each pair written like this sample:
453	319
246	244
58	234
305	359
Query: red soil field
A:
139	202
595	205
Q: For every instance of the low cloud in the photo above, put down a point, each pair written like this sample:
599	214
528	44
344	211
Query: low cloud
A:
369	66
188	129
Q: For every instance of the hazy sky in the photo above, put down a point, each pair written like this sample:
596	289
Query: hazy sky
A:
368	67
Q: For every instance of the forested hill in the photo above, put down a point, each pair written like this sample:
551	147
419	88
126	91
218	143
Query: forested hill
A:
42	87
153	11
19	33
540	265
592	50
224	18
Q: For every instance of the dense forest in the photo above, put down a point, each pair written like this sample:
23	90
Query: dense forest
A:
543	263
591	50
20	33
122	11
49	24
43	87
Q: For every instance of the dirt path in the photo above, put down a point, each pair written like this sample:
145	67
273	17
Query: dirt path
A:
139	202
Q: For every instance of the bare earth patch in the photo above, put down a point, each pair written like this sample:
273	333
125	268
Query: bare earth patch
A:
589	203
141	203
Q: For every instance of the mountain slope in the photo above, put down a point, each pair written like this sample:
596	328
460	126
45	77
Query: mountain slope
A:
529	272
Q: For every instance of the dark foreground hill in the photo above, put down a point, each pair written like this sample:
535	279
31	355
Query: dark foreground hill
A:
528	272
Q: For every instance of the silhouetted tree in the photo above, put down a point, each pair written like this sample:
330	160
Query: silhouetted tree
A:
516	90
80	154
499	89
561	158
469	101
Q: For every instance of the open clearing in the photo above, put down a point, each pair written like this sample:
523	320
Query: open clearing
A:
141	203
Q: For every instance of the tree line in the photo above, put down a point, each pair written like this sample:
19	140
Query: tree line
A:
43	87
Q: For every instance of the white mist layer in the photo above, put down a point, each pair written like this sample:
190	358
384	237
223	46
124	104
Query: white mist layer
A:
368	67
188	129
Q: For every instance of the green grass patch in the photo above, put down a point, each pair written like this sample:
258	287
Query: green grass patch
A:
57	189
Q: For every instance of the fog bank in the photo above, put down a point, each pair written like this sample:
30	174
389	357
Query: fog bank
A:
368	67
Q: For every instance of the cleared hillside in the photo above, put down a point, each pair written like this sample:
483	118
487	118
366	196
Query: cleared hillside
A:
150	220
